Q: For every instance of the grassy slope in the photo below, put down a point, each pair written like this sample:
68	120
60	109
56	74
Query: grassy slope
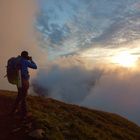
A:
64	122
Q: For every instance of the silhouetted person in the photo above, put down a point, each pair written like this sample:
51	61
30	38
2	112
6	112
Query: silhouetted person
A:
23	83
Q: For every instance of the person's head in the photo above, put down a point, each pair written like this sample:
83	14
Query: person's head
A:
24	54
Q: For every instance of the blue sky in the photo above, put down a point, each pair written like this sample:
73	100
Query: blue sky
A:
71	26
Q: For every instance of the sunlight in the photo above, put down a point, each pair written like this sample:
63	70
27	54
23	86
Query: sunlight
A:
125	59
120	57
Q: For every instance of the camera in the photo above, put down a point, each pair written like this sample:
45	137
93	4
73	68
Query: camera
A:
29	58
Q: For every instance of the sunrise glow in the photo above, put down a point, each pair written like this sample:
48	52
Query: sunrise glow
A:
125	59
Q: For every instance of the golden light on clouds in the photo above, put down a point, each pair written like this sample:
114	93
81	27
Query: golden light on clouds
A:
126	57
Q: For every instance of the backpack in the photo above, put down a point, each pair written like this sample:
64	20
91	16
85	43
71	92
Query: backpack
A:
13	67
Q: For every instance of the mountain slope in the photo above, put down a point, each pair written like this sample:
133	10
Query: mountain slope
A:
60	121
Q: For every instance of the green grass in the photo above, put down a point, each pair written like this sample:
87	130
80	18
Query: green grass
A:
63	121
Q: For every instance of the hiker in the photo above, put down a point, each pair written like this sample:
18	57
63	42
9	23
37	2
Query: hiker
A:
23	83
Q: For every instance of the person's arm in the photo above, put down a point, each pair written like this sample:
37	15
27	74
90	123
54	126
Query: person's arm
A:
31	64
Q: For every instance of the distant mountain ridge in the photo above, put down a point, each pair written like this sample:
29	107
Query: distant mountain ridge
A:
61	121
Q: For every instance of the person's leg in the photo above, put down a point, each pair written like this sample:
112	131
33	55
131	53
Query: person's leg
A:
25	88
24	103
17	101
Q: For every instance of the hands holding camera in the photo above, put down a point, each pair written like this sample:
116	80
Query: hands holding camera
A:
30	58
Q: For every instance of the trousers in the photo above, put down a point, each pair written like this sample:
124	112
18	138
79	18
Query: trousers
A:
20	102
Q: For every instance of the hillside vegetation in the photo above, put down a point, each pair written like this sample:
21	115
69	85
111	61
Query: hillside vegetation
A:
61	121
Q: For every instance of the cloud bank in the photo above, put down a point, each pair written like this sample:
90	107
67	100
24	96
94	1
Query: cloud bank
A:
100	87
